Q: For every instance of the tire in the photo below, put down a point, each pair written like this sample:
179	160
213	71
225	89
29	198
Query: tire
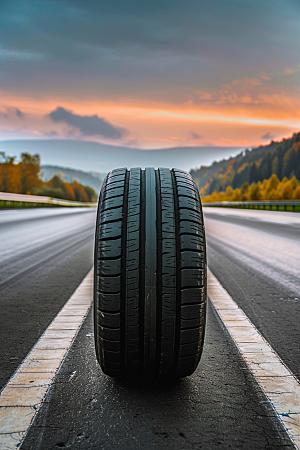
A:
150	274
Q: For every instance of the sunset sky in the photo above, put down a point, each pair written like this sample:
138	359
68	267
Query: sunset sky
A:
150	74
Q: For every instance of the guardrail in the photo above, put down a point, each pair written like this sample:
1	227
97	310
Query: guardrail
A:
8	200
268	205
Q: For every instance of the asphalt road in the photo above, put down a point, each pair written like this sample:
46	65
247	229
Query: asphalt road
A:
44	256
256	257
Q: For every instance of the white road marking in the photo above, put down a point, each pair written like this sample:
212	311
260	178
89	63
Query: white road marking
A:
279	385
24	394
281	217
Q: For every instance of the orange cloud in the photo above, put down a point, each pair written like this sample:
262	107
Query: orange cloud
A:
236	113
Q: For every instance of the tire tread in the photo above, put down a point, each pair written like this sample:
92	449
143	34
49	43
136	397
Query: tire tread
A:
119	292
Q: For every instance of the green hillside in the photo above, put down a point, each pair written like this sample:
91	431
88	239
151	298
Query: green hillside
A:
250	166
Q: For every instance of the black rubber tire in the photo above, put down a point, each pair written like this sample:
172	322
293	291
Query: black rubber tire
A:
150	274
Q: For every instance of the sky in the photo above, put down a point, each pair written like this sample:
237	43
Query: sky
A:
150	74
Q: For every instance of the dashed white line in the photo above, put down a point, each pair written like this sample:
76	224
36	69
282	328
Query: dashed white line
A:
23	395
279	385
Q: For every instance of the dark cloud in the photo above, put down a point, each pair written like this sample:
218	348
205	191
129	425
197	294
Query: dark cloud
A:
134	38
88	125
19	113
195	136
77	29
10	111
267	137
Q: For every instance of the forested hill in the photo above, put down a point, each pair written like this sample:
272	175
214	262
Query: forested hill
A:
93	179
281	158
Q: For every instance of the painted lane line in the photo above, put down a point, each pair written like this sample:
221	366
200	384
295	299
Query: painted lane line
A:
279	217
279	385
24	394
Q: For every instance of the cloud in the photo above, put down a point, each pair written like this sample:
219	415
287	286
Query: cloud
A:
10	111
59	34
267	137
250	93
195	136
160	53
88	125
132	142
13	55
19	113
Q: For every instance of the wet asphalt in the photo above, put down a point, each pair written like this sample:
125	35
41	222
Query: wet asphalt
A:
219	406
258	263
44	254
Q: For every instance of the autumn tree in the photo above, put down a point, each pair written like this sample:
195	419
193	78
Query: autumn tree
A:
29	173
70	195
24	178
9	174
254	192
271	189
279	158
91	193
79	191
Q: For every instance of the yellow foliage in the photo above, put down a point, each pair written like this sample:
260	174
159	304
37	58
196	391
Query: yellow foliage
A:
273	182
230	168
240	169
294	182
296	194
286	190
271	189
204	188
24	178
80	194
69	191
236	195
254	192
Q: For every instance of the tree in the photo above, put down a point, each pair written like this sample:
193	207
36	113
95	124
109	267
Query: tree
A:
91	193
254	192
253	174
57	182
70	195
23	177
296	194
266	167
30	171
273	182
80	194
276	166
244	187
9	174
288	165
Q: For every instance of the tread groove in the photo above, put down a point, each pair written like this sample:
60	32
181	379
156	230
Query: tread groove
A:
142	271
158	272
178	272
123	265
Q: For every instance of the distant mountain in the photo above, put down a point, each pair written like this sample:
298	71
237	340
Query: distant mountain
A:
92	156
258	164
92	179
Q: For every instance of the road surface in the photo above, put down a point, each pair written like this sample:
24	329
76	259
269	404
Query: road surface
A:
44	256
256	257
